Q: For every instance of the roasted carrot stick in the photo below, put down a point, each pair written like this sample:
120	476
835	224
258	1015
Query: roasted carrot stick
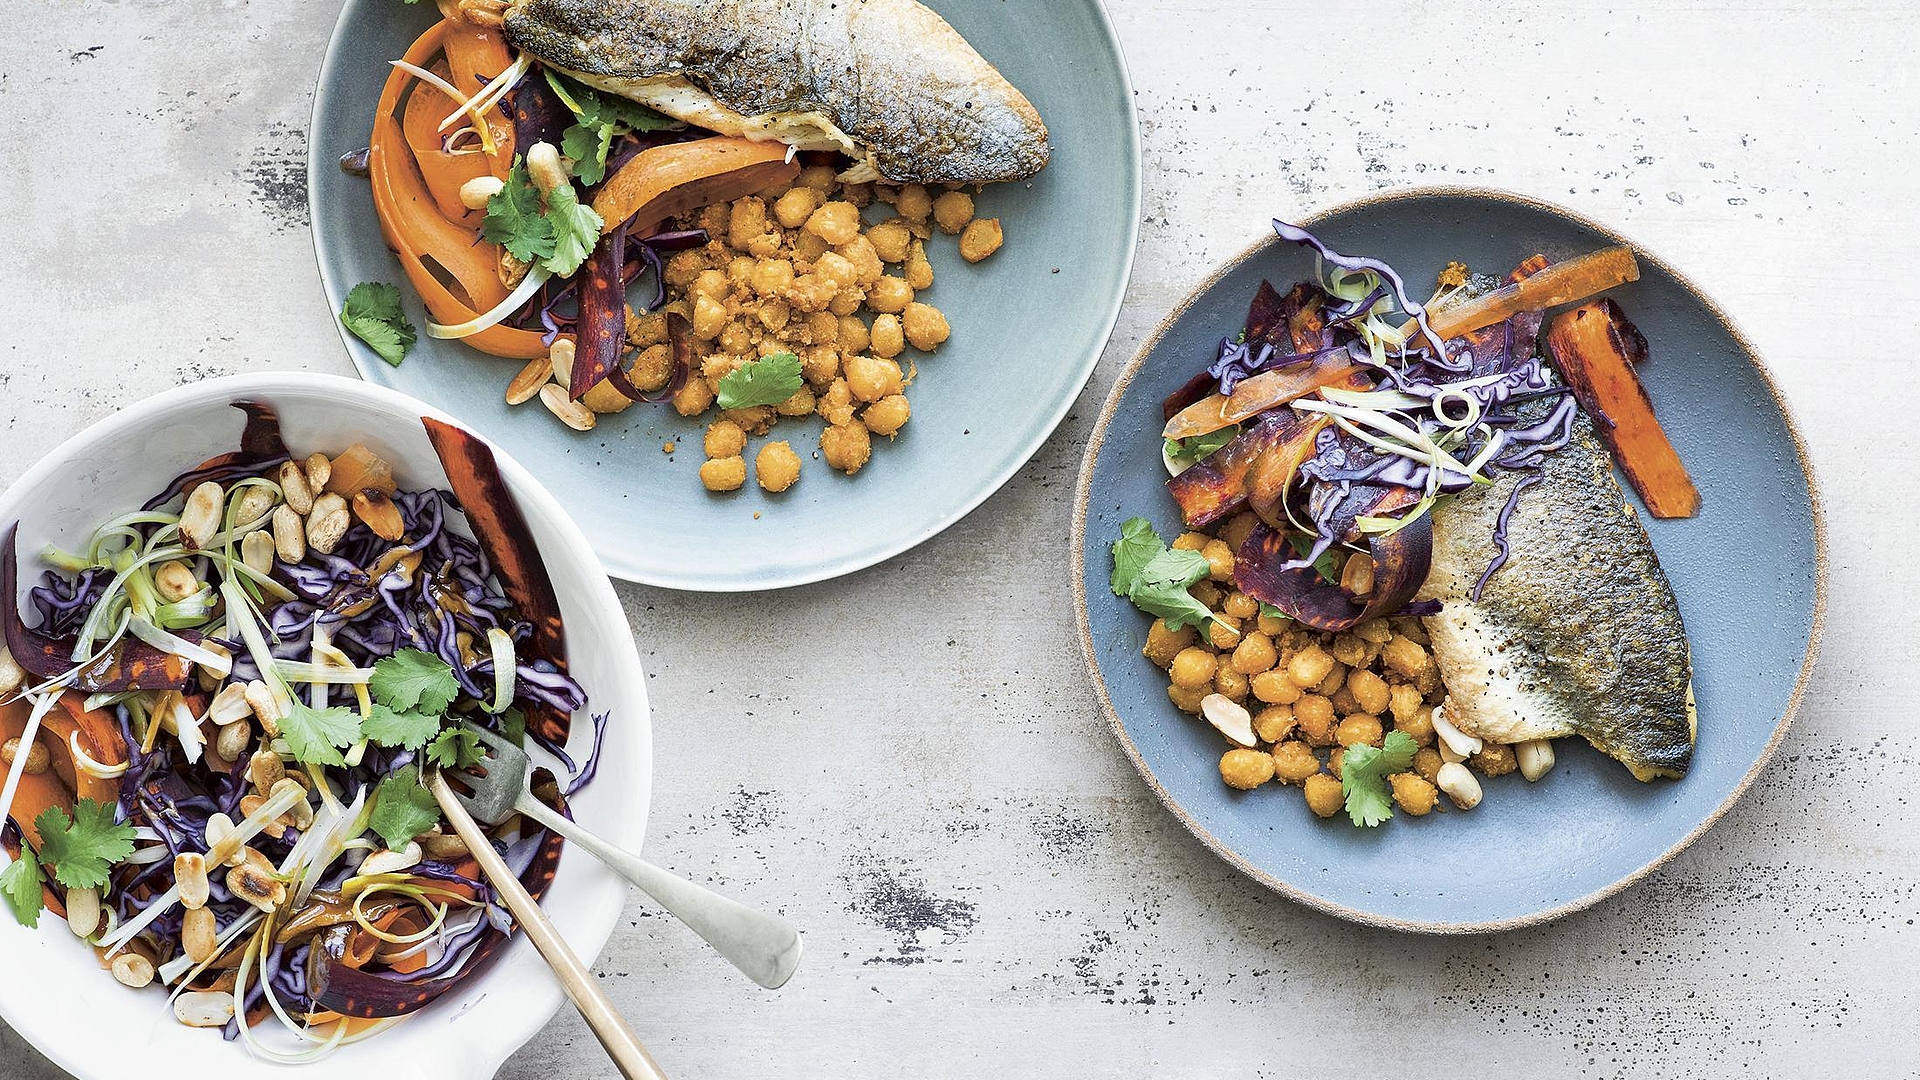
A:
1595	348
1561	283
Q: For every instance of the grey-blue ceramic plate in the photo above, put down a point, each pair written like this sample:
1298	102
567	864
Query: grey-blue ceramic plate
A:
1028	326
1749	572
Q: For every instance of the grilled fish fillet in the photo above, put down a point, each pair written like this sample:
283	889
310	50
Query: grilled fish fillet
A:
886	82
1578	634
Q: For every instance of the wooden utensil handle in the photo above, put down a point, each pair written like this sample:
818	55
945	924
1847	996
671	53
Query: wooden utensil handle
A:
607	1023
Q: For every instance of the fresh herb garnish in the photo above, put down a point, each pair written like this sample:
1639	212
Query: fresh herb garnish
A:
411	680
598	119
1272	612
1201	446
455	748
1155	577
769	380
316	736
20	884
400	729
1328	565
372	312
515	219
1363	776
576	229
558	232
402	808
79	851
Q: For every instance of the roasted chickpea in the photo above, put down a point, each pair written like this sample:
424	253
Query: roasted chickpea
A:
1223	631
1188	699
835	222
1229	683
725	439
1335	759
982	238
749	221
1413	793
1275	688
1294	761
1193	668
890	295
1309	667
1349	649
1374	631
846	447
809	246
888	415
645	331
891	240
836	405
854	337
1254	654
724	474
818	177
1314	714
865	261
820	365
1494	759
1324	796
712	283
709	317
800	404
693	398
1219	560
1190	541
1240	606
1272	625
1357	729
1273	723
1208	594
776	466
684	266
926	328
917	270
952	210
888	337
1246	769
774	313
1404	700
1336	678
796	206
1418	725
1343	702
1406	656
652	367
872	377
1427	762
1164	644
913	202
1234	533
847	301
772	277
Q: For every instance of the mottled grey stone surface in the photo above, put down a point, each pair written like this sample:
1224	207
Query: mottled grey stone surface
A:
909	762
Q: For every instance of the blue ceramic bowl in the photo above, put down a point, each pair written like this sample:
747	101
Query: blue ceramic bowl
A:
1028	326
1749	572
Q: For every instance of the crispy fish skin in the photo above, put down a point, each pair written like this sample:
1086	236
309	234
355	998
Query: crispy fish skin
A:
891	75
1579	633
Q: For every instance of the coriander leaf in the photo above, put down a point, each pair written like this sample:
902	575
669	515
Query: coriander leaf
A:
402	808
455	748
372	312
769	380
1162	588
514	218
1272	612
316	736
576	229
1363	776
20	884
587	147
1201	446
1137	546
513	726
1328	565
413	681
404	730
81	851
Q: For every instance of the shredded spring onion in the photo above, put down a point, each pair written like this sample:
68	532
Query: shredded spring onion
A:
529	285
447	88
504	669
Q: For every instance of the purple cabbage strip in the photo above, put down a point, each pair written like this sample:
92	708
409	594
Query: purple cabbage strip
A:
1408	304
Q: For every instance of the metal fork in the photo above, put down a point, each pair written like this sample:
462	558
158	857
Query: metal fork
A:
765	947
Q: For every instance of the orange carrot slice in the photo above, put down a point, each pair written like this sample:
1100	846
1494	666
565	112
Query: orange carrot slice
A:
1561	283
673	179
1596	347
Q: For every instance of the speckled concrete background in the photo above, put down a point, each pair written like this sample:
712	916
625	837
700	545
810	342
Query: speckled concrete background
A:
988	888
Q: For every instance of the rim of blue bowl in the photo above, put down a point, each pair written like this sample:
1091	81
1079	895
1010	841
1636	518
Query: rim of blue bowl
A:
1084	492
336	43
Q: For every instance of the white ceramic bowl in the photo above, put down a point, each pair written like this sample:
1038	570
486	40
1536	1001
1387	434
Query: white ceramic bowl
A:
55	995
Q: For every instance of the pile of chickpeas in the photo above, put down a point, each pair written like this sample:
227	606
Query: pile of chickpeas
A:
1309	694
797	269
